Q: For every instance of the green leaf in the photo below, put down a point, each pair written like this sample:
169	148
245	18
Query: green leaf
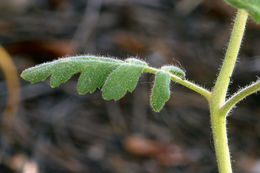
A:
121	80
135	61
161	90
117	76
174	70
95	58
37	73
122	76
62	69
94	76
251	6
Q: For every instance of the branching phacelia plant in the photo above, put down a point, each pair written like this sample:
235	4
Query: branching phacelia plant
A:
116	77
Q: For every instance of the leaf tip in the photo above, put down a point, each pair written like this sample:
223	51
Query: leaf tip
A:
81	93
157	109
52	86
25	76
22	75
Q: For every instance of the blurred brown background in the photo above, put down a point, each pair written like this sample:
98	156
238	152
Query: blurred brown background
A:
58	131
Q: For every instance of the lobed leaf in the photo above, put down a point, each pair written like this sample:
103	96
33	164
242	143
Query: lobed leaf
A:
121	80
116	76
161	90
94	75
251	6
120	76
37	73
61	70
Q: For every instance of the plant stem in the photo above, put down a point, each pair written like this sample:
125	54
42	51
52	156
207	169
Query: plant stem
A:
218	123
204	92
240	95
217	97
221	86
218	118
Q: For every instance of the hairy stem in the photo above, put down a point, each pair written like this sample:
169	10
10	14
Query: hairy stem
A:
240	95
221	142
218	118
204	92
221	86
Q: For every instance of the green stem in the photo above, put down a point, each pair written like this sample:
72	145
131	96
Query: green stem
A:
240	95
204	92
217	97
221	143
218	118
221	86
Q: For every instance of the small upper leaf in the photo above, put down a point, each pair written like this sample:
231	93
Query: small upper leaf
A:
174	70
252	6
161	90
121	80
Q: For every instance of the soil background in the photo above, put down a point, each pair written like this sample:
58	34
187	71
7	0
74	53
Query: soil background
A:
59	131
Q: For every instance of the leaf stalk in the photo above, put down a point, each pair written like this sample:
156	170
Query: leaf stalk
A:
240	95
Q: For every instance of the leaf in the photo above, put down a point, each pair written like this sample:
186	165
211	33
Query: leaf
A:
37	73
122	76
61	70
94	76
161	90
135	61
121	80
117	76
174	70
252	6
